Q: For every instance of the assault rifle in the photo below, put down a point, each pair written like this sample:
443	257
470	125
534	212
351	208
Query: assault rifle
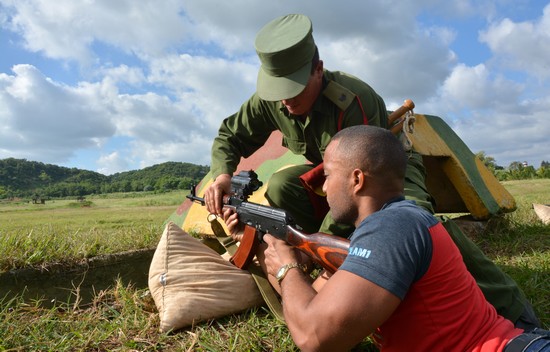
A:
326	250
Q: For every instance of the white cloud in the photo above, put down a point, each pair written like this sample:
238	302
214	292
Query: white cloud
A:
208	89
112	163
462	8
44	120
474	88
413	69
509	137
133	76
196	150
47	120
65	29
523	46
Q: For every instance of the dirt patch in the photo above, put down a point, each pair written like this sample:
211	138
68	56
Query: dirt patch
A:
79	283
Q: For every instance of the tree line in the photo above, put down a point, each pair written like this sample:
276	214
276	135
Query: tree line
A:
516	170
20	178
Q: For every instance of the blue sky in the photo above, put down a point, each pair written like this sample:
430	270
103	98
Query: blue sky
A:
112	86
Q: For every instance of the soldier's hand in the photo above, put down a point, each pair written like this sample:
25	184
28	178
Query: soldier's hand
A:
235	228
213	196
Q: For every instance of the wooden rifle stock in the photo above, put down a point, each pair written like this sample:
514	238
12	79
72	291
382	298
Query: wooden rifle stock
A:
326	250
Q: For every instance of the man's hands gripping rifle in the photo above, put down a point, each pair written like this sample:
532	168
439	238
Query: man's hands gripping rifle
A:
327	250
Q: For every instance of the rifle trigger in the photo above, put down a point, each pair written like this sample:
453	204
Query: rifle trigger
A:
260	235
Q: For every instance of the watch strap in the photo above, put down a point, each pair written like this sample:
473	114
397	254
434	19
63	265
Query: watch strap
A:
281	273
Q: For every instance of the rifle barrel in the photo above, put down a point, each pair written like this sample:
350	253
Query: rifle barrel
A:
194	198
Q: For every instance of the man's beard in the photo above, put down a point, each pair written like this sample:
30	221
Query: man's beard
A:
346	215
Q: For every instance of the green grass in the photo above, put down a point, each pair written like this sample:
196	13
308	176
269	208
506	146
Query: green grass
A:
520	243
66	231
125	318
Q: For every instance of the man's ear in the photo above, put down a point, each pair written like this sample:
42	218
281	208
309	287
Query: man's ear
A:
319	68
359	179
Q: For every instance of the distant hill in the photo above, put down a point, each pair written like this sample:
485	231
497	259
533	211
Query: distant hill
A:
22	178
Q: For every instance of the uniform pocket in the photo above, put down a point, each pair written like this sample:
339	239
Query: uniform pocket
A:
294	145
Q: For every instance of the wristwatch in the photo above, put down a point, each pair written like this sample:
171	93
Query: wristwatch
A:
281	273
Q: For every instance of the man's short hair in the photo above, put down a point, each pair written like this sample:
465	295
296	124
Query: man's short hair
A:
315	60
374	150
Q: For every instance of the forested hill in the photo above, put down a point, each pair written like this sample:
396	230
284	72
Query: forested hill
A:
22	178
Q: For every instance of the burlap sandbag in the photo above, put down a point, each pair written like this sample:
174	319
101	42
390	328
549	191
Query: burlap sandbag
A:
543	212
191	283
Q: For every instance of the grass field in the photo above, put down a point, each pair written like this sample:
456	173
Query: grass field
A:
125	318
67	230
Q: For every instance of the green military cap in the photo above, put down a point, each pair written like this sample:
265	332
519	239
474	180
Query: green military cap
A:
285	47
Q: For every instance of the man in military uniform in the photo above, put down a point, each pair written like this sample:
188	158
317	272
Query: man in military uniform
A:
309	104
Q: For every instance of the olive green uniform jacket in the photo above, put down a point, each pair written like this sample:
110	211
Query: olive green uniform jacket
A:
247	130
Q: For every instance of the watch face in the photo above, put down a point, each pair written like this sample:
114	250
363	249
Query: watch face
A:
281	271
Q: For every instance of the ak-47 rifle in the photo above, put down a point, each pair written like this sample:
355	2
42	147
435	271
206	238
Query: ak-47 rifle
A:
327	250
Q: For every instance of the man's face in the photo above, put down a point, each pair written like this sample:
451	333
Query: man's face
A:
338	185
301	104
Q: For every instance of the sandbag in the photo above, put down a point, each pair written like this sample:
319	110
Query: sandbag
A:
543	212
191	283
